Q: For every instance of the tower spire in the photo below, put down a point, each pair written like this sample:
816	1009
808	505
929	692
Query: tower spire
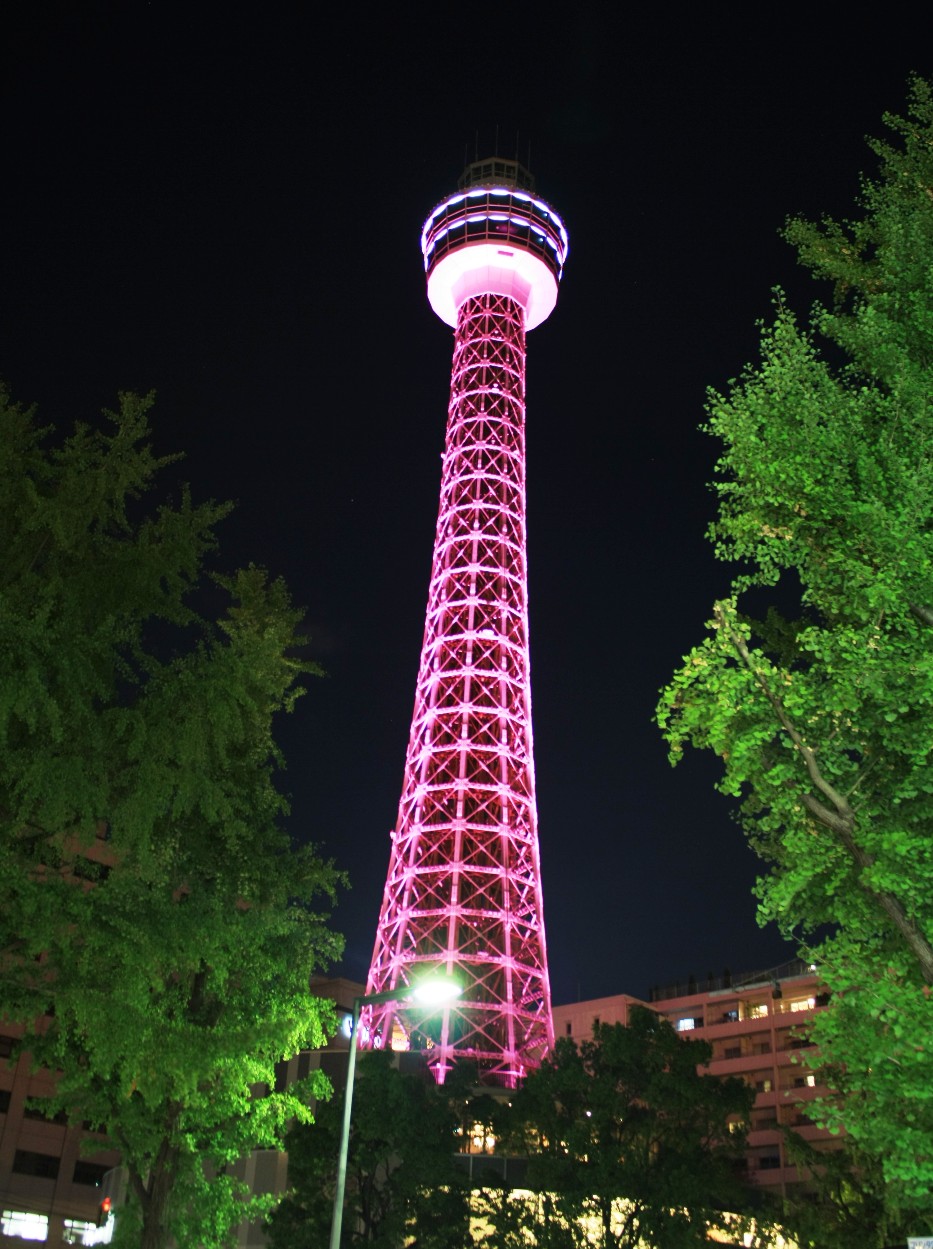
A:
463	890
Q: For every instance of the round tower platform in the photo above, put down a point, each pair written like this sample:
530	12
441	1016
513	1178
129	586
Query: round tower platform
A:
494	236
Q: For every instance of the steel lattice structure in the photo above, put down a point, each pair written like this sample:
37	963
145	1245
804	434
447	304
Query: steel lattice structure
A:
463	892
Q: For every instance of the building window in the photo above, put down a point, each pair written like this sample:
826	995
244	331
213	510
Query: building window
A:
89	1173
26	1162
6	1046
730	1016
761	1123
757	1010
568	1028
25	1226
803	1003
78	1232
4	1101
36	1109
685	1025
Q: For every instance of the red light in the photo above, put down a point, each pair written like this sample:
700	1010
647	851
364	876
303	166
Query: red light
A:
105	1205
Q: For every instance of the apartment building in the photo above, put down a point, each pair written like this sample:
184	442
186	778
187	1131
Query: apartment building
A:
756	1025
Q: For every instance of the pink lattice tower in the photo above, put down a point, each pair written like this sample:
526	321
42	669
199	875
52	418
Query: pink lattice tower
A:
463	893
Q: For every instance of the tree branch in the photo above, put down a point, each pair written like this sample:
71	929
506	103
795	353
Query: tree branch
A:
806	752
839	817
922	613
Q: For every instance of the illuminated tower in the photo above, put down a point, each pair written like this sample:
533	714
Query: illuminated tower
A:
463	893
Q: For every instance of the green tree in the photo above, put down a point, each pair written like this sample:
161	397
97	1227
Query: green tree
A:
845	1203
154	917
402	1186
628	1142
821	712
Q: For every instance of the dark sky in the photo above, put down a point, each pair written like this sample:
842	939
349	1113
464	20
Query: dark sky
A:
227	209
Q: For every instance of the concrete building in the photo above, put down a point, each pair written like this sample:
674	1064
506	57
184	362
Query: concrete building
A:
51	1175
756	1026
50	1189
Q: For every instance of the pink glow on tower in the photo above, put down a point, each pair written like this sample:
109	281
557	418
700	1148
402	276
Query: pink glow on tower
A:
463	892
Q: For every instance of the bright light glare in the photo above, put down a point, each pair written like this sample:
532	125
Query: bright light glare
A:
24	1225
436	989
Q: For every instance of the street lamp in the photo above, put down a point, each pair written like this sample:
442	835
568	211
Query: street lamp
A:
431	991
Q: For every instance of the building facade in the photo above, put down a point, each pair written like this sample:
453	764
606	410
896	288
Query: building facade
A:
757	1027
51	1174
50	1186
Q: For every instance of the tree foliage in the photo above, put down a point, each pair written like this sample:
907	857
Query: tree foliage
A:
845	1203
402	1187
628	1144
822	712
158	928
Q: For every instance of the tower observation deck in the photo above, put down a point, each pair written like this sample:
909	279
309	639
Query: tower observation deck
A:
463	890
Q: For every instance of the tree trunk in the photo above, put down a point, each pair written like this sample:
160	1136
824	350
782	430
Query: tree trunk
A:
153	1195
155	1213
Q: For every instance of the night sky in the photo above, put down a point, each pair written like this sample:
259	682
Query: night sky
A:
227	210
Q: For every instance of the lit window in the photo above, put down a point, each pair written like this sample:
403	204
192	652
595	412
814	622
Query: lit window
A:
686	1025
803	1003
811	1082
25	1226
78	1233
757	1010
399	1041
482	1139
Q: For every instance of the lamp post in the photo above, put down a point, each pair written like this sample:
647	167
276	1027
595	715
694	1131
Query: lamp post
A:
432	991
